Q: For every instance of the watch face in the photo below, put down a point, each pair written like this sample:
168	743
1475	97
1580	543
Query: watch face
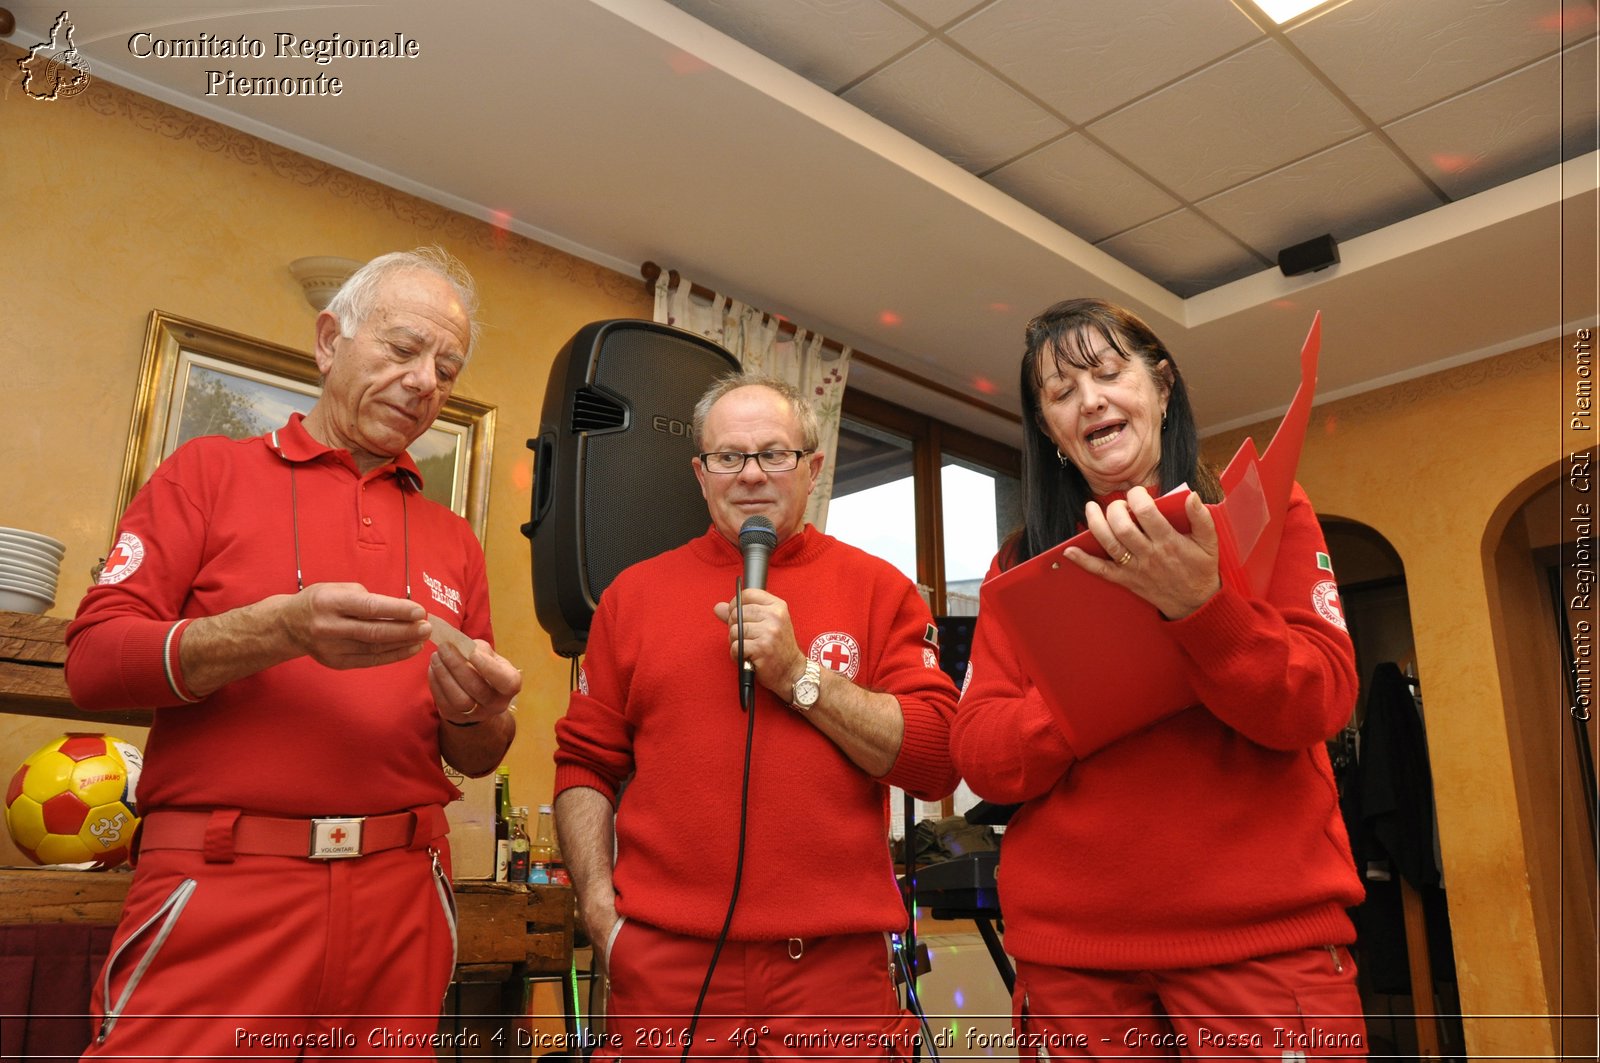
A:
808	686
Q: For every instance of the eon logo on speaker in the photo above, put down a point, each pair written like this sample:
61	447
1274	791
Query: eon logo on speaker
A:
670	425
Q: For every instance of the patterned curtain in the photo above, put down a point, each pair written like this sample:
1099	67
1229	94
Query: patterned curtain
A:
754	338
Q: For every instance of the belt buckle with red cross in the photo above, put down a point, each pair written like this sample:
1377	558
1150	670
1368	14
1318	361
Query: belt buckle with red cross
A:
335	839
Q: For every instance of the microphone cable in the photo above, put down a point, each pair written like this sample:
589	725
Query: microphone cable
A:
914	1000
738	864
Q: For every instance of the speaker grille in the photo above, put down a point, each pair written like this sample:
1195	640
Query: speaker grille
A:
642	497
595	411
613	480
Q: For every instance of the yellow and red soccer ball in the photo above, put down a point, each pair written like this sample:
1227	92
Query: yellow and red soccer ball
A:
73	801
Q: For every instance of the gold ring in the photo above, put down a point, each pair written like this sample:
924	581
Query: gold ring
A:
1127	555
469	712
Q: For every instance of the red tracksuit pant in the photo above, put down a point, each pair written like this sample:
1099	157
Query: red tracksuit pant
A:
815	997
1291	1006
278	957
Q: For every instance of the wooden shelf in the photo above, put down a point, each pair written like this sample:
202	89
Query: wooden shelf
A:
33	659
39	895
528	927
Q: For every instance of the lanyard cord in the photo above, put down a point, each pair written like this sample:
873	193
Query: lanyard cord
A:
294	524
405	531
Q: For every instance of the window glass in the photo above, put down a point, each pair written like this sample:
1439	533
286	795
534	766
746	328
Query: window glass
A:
873	504
874	507
981	508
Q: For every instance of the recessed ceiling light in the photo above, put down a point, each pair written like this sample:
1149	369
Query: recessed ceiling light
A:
1281	11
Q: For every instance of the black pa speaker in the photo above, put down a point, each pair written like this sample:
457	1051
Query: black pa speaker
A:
612	480
1308	257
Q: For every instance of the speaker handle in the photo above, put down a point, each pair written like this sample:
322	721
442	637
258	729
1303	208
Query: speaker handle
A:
543	480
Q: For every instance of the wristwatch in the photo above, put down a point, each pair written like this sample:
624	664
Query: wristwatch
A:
807	688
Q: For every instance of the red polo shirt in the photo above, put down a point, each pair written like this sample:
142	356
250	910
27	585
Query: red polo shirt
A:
216	528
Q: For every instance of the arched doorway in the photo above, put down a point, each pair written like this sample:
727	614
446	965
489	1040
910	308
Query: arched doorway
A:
1540	558
1407	964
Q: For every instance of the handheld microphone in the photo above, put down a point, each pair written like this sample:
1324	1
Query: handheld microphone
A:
757	537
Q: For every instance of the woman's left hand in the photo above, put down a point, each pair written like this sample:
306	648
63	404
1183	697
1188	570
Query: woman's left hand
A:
1174	572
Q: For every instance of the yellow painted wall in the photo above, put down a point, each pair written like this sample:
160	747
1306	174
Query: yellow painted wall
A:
116	205
1430	464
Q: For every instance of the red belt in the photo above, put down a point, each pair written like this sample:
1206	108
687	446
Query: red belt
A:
225	832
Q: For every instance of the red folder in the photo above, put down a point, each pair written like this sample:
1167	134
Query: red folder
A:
1098	653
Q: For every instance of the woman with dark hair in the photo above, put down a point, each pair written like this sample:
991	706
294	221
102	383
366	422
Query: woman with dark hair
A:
1180	890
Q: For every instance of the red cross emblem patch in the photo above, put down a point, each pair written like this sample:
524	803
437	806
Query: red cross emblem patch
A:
837	651
1325	598
124	559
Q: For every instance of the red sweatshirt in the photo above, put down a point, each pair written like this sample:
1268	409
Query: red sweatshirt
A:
658	708
1210	837
216	528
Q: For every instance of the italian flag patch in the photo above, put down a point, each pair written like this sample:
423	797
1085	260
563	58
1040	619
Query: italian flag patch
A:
1324	562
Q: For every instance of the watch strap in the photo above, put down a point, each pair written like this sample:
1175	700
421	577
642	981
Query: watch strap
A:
810	678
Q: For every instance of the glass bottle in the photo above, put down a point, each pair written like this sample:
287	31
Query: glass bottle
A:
517	863
543	848
502	822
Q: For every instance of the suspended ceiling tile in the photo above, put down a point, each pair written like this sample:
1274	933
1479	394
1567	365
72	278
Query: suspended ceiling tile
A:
829	42
1580	20
1182	253
1490	135
939	13
1088	57
1580	74
1232	121
1352	189
937	96
1394	58
1082	188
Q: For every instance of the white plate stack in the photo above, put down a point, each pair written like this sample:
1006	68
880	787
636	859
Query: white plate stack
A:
30	565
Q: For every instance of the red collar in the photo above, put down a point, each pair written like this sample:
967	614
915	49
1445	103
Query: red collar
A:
797	547
293	443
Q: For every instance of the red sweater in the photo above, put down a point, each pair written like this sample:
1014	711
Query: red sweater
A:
215	529
658	708
1210	837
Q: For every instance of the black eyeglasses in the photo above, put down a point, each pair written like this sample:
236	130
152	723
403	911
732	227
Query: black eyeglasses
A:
732	462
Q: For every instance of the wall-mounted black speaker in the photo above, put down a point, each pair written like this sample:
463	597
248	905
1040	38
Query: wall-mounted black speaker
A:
1315	254
612	480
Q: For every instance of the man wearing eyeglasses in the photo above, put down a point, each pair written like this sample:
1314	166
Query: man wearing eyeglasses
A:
850	701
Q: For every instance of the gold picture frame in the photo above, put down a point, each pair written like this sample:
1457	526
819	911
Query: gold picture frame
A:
197	379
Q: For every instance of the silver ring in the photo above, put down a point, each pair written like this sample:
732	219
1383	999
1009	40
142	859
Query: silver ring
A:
469	712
